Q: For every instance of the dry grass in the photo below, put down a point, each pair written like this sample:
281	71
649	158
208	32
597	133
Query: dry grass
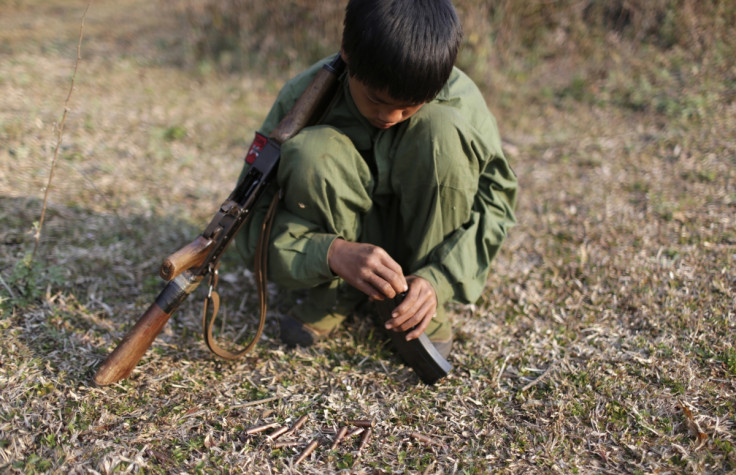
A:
604	343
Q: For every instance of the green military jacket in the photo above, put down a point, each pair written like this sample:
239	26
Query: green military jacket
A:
458	265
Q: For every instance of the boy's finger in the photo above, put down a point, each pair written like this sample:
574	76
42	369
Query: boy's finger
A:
397	281
403	318
417	332
416	317
390	283
384	287
393	273
376	289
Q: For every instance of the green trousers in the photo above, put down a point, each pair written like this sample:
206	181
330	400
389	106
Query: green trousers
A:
407	195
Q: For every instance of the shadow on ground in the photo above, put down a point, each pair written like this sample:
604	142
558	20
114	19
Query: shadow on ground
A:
93	277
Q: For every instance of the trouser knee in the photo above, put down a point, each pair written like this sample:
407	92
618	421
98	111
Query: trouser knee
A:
438	148
325	180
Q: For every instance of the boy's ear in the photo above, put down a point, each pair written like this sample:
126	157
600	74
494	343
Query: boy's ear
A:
344	56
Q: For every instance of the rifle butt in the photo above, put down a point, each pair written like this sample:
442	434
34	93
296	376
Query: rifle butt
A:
121	362
312	103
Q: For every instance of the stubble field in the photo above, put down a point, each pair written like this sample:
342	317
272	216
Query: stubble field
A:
603	344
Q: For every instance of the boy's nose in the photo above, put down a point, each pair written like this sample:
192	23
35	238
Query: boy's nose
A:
391	115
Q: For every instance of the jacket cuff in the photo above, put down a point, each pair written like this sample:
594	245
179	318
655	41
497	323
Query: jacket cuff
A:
319	247
440	283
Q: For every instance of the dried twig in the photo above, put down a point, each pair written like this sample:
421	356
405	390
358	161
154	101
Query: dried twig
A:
355	432
541	377
59	135
362	423
287	443
261	428
277	433
426	440
7	287
298	424
500	372
364	439
254	403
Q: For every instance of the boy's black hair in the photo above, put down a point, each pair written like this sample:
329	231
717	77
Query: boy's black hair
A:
404	47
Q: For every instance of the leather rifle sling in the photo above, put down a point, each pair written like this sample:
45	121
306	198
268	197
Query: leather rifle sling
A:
261	264
335	70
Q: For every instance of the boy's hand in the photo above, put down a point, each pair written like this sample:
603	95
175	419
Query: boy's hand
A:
368	268
417	309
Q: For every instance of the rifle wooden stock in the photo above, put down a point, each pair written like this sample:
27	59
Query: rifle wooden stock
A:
136	342
129	352
191	255
310	106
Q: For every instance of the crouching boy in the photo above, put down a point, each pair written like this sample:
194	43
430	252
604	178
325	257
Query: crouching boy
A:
402	187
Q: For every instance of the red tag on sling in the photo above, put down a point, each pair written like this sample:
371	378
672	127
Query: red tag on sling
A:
255	148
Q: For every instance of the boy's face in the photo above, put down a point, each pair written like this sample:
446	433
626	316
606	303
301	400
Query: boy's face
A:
378	107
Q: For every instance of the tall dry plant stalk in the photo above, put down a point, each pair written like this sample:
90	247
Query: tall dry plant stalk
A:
59	137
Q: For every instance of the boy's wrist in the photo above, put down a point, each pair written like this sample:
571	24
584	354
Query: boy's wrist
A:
318	256
440	283
331	253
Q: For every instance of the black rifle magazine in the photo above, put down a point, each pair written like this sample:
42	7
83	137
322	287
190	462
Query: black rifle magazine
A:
419	353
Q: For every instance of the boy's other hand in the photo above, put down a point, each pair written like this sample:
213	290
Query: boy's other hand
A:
368	268
417	309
